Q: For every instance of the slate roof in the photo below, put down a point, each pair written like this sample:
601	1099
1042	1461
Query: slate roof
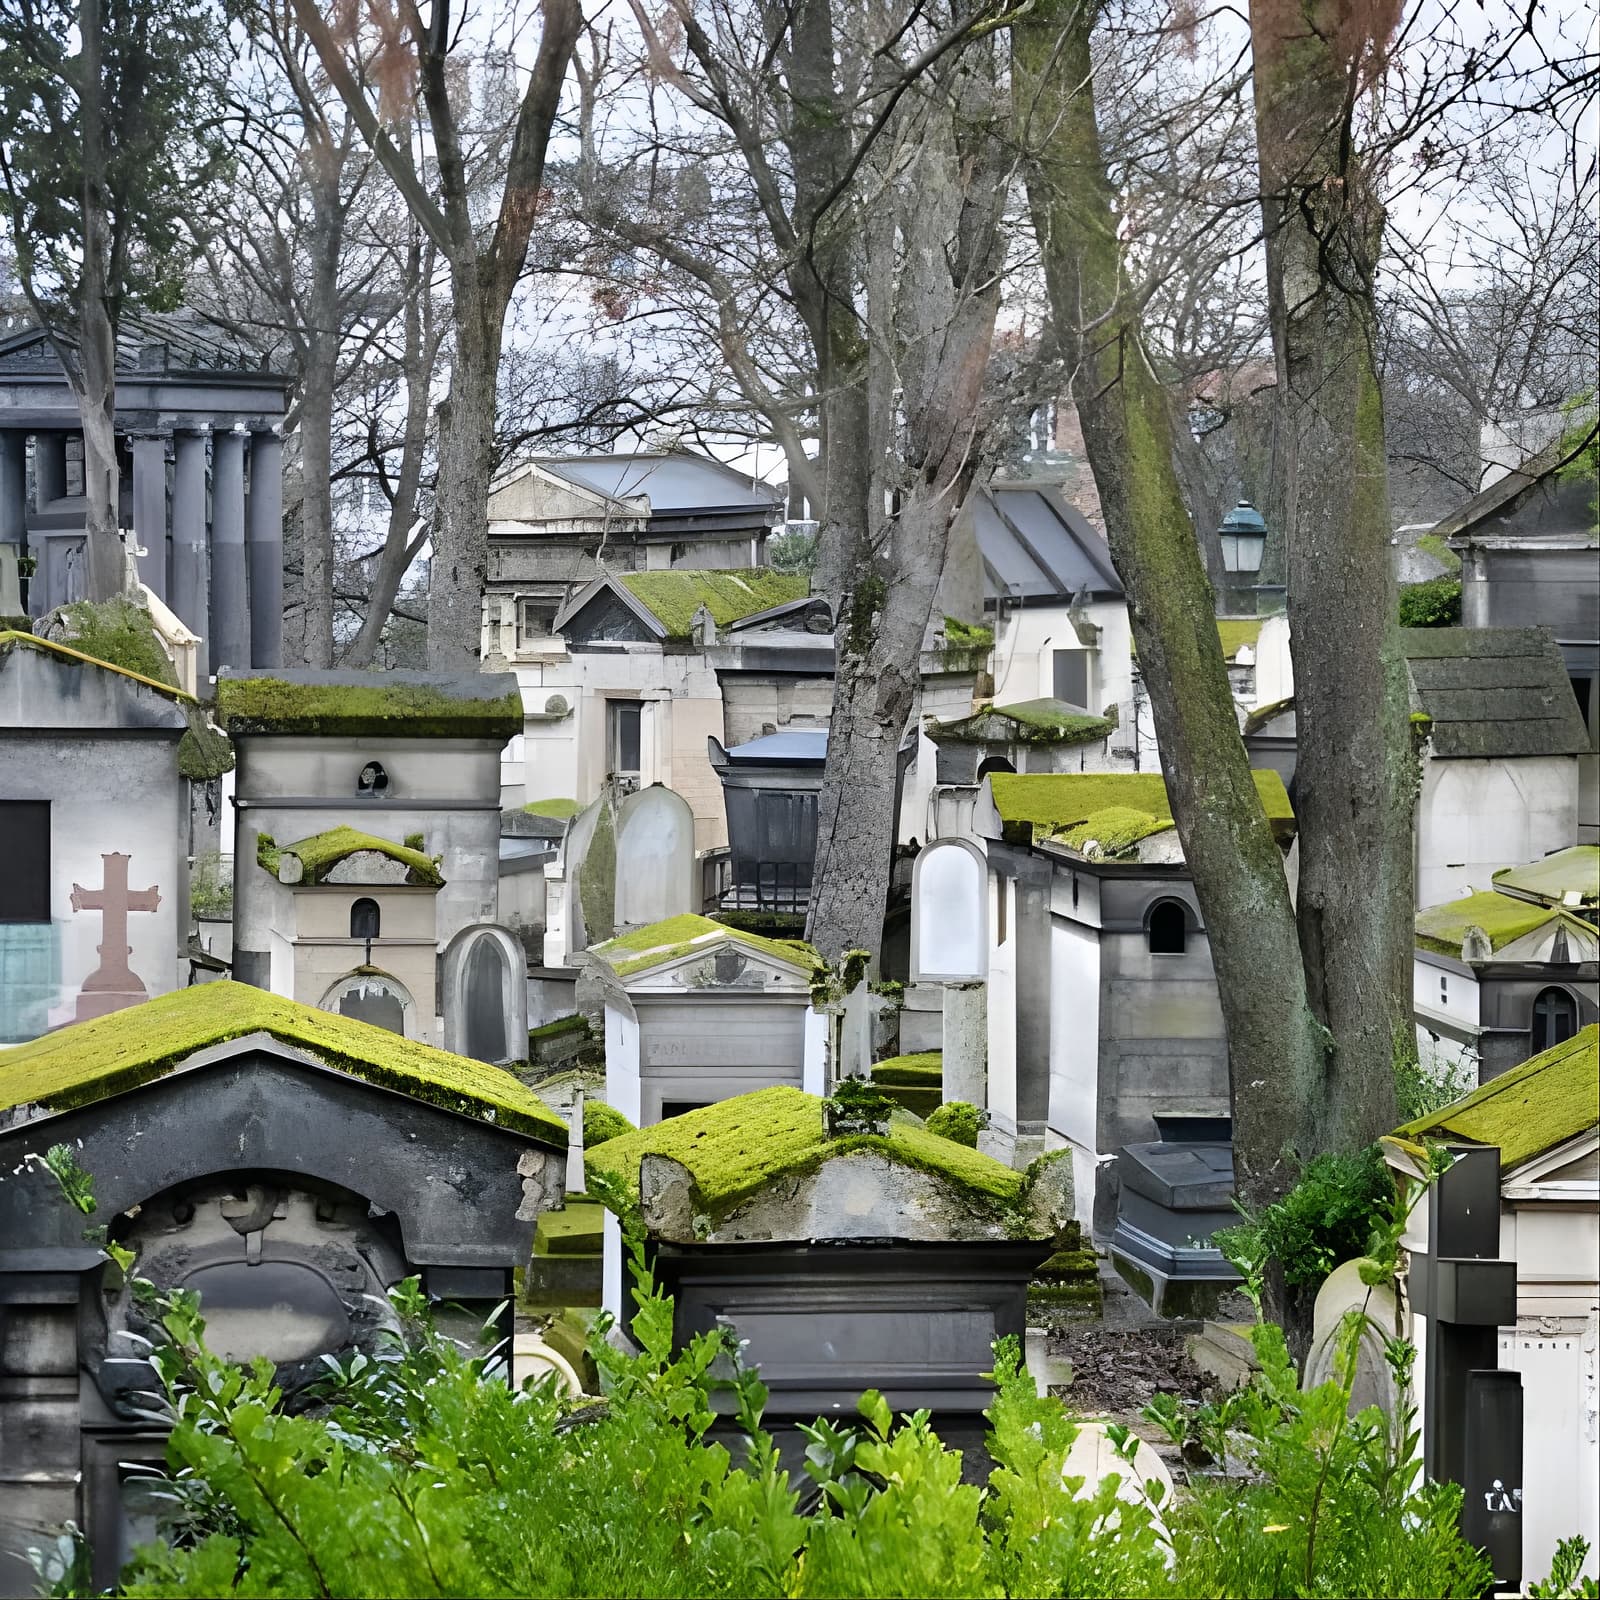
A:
190	346
1536	1107
1035	545
676	480
92	1061
1493	692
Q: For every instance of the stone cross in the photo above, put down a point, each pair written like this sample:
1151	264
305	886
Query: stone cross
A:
113	984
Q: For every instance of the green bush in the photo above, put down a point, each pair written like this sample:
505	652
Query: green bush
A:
1434	603
419	1473
957	1120
602	1122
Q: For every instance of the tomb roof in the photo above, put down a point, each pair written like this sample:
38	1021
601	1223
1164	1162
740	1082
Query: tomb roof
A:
1503	918
11	639
1121	806
556	810
400	705
1044	721
735	1148
111	1055
1537	1106
663	942
1493	692
673	596
319	854
1575	870
1233	634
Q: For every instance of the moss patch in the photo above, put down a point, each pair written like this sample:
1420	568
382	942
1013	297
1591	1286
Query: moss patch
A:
1057	803
322	852
1574	870
958	1121
1237	632
1112	832
14	639
961	635
1045	722
576	1023
737	1147
673	597
1262	715
398	710
204	752
559	810
662	942
1549	1099
111	1055
602	1123
1502	918
924	1070
575	1230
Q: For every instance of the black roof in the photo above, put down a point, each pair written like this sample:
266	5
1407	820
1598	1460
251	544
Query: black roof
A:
1035	545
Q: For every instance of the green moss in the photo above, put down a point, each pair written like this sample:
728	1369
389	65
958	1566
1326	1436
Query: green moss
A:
1430	544
557	810
924	1070
204	752
111	1055
322	852
773	924
1262	715
342	710
1043	722
551	1030
958	1121
961	635
15	639
1535	1107
120	633
1502	918
574	1230
673	597
601	1123
1055	803
737	1147
866	602
1237	632
1575	870
1434	603
597	879
662	942
1112	832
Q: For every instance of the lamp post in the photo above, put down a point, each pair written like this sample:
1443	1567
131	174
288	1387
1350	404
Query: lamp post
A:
1244	539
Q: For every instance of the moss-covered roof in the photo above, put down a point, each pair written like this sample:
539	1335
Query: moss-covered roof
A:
322	852
1502	917
1112	831
1237	632
1044	721
673	596
662	942
923	1068
1124	806
1549	1099
1262	715
735	1148
1575	870
393	704
11	639
111	1055
558	810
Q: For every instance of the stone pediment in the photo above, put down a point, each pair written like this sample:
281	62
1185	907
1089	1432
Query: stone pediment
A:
693	953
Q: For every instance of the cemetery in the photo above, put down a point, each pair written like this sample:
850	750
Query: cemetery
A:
799	801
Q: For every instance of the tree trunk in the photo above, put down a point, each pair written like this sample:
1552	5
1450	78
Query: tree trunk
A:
1277	1049
316	505
1356	768
94	381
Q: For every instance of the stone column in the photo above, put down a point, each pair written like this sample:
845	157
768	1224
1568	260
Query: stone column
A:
966	1043
230	605
190	578
150	509
13	488
264	548
49	468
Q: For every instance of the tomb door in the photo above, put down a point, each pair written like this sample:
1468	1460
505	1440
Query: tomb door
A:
486	996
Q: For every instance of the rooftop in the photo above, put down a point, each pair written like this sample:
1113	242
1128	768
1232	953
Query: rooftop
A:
1045	721
319	854
1114	809
11	639
673	596
1494	692
735	1148
401	705
663	942
1536	1107
786	747
1503	918
676	480
1034	544
93	1061
1568	877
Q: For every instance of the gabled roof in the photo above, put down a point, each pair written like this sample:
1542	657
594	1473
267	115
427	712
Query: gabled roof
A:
662	943
1035	545
1113	810
737	1147
395	704
1045	721
1493	692
672	481
186	343
319	854
112	1055
1535	1107
1490	512
1569	877
665	602
12	639
1503	919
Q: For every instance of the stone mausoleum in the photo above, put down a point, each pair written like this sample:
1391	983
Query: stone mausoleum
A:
289	1165
200	488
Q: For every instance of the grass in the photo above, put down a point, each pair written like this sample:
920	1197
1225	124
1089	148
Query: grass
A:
673	596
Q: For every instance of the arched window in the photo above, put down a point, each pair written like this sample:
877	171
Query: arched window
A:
993	764
364	919
1555	1019
373	780
1167	928
370	997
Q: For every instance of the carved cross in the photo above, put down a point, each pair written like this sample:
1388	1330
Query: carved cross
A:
113	984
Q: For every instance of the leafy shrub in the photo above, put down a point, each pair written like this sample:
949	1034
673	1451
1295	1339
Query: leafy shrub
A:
957	1120
1433	603
602	1122
793	552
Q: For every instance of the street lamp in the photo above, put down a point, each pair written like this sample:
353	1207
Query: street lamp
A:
1244	539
